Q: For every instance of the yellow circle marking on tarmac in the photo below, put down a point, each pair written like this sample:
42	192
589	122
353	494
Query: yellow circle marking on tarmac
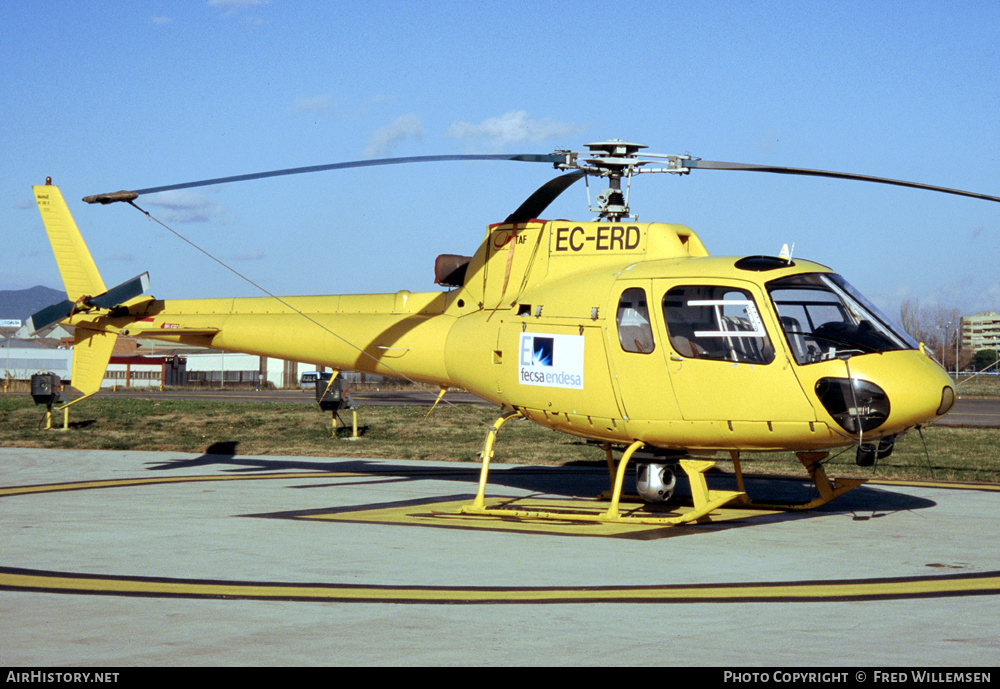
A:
936	484
125	482
13	579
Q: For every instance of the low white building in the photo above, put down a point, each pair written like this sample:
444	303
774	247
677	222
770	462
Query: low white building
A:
213	368
20	359
143	372
154	366
222	368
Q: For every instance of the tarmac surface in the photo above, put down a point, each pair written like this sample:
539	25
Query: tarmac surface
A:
167	559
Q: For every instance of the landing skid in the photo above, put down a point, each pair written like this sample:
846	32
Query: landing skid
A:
828	489
705	500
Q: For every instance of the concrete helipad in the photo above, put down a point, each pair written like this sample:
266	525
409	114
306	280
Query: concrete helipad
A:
133	558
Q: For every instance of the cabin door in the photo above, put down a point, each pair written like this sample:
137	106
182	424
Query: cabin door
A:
637	356
724	353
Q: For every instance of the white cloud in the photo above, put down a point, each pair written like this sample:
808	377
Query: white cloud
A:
312	104
513	128
161	20
383	141
235	7
184	205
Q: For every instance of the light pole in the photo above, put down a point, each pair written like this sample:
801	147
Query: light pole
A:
958	341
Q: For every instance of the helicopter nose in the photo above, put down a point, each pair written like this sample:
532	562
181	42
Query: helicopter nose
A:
887	392
924	394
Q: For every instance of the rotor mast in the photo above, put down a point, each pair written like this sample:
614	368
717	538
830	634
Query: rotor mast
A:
615	159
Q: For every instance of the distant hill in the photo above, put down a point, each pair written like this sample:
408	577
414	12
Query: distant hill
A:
21	303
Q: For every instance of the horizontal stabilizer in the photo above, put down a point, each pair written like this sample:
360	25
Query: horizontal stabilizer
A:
108	300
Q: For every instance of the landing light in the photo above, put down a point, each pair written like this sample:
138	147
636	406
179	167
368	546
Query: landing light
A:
867	404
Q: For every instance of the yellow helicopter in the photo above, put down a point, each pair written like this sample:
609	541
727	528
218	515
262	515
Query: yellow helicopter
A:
624	333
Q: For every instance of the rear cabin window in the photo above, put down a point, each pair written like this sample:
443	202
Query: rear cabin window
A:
720	323
634	331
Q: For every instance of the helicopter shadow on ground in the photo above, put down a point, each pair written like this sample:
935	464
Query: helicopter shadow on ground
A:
554	480
863	503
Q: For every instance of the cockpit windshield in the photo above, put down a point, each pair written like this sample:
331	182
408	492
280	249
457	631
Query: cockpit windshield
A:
825	318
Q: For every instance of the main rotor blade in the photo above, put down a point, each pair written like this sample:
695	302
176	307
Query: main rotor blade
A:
717	165
111	197
536	204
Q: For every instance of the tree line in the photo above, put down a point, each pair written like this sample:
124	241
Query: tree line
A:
939	328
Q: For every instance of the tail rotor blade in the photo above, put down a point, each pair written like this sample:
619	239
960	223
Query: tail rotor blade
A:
108	300
122	293
49	315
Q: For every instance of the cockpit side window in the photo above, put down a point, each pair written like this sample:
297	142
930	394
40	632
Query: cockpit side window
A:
634	331
721	323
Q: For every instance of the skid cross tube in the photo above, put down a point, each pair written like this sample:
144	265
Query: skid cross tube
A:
705	500
480	501
616	493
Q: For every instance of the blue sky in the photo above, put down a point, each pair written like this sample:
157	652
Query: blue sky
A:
109	95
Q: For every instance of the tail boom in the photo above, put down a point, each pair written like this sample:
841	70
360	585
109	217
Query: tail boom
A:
401	335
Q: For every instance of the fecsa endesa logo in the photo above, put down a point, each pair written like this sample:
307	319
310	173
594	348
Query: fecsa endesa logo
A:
536	351
540	364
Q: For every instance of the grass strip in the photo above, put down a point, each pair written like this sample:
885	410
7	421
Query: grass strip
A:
450	433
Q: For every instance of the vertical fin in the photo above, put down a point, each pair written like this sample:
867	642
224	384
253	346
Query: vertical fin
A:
91	354
92	350
79	273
